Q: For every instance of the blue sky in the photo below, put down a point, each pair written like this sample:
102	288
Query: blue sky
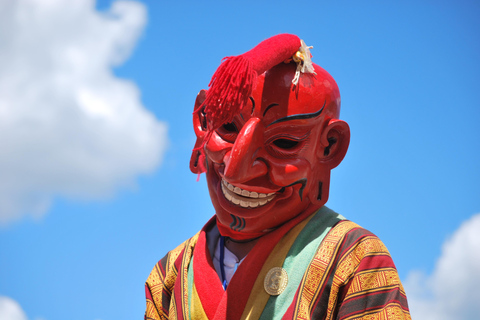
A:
96	136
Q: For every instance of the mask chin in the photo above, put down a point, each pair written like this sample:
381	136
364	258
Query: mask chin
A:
227	231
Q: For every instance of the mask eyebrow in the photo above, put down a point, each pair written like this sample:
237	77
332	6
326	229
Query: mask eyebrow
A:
299	116
253	108
268	108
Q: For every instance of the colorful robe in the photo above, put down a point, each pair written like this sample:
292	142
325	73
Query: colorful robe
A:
336	270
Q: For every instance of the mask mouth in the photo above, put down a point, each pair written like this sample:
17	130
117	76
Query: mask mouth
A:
245	198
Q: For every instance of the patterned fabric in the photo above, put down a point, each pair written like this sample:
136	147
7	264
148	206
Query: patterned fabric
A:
336	270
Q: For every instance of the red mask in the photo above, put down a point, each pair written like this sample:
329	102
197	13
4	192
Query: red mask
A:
272	162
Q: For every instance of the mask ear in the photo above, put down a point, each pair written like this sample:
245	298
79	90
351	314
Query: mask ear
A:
199	126
334	140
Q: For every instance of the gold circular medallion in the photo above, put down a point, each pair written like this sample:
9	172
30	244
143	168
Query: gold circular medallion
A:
275	281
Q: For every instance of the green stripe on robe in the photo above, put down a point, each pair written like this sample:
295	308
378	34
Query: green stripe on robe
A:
190	287
298	258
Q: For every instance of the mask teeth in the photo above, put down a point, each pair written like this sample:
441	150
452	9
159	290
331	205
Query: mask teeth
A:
245	198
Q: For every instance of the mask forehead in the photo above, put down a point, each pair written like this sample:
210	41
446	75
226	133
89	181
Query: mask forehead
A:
275	97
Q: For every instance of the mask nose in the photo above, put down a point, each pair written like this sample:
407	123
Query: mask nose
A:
242	162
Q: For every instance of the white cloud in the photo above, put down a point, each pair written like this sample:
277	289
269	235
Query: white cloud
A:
10	309
451	291
68	126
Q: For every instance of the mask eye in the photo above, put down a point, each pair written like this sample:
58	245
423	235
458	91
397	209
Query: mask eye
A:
228	132
203	119
285	143
230	127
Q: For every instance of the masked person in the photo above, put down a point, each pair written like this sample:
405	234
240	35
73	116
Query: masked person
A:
268	135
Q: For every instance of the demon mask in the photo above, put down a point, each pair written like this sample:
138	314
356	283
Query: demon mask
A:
272	162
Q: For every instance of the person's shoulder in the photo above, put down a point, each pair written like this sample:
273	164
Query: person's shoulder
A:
353	236
168	261
169	265
359	254
364	271
164	273
353	230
